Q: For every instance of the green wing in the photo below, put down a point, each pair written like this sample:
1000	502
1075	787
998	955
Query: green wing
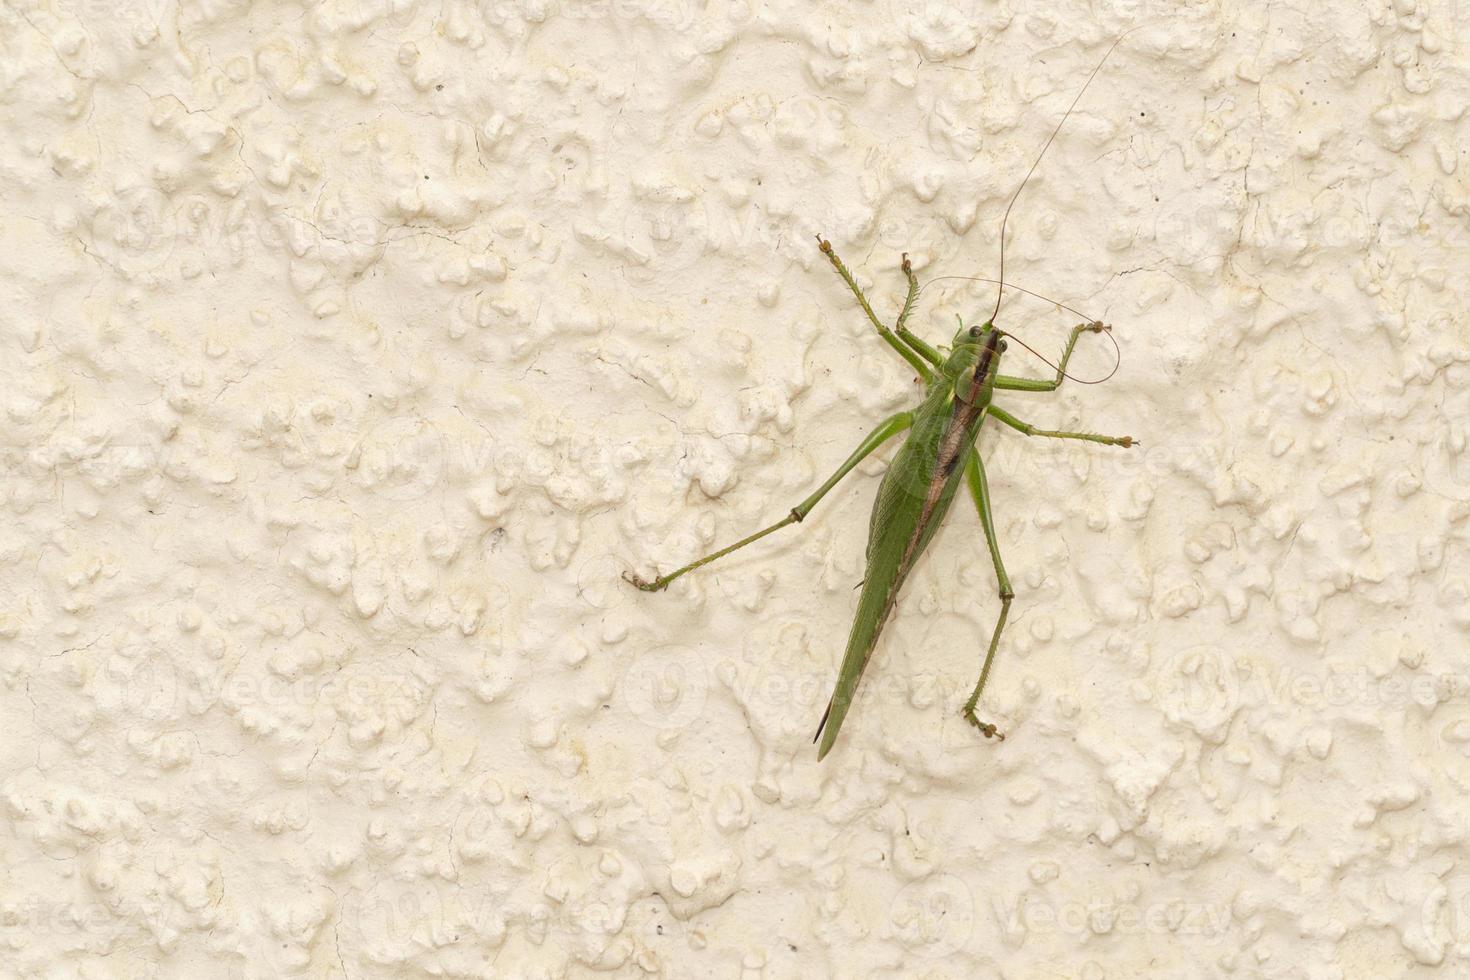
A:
904	521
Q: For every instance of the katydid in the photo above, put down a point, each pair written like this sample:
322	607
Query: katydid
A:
937	456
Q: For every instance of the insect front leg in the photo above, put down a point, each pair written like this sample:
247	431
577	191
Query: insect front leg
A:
886	430
900	327
1052	384
980	490
909	346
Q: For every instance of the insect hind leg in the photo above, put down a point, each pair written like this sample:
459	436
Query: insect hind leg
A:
886	430
980	491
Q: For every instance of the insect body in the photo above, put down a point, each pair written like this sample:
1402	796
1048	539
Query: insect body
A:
916	492
937	455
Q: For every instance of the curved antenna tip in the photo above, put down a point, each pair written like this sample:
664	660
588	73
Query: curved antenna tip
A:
1096	326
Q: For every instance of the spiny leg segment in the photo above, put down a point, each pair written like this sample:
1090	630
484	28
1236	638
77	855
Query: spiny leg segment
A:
886	430
980	490
924	350
910	347
1007	383
1027	428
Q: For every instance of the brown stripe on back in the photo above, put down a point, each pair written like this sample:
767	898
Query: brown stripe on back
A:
951	449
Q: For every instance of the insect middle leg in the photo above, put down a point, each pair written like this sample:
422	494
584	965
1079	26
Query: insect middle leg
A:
980	490
910	346
1027	428
886	430
1009	383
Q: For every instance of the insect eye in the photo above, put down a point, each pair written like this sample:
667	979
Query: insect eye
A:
976	332
1001	347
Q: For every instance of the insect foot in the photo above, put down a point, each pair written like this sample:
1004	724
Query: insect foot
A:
986	729
647	585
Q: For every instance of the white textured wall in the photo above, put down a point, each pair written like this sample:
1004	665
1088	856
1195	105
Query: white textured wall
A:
352	349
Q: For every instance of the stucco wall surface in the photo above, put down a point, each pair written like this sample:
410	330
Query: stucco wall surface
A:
352	351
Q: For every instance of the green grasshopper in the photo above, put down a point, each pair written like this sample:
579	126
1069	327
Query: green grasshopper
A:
937	456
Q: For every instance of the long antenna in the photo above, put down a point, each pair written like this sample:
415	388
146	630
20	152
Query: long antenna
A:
1020	289
1000	288
1106	331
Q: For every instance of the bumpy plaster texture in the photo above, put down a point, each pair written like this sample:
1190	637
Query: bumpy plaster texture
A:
352	350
